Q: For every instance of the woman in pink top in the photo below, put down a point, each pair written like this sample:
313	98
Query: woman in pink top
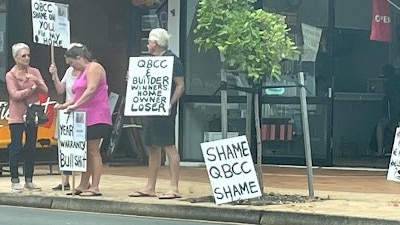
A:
91	95
23	85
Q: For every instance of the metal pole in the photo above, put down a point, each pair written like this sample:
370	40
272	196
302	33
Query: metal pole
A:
249	117
306	135
224	100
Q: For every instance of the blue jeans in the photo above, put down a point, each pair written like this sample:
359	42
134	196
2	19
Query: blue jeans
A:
17	152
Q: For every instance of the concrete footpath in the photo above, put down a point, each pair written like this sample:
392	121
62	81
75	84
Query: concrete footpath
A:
355	197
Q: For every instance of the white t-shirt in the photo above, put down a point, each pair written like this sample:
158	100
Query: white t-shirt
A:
69	80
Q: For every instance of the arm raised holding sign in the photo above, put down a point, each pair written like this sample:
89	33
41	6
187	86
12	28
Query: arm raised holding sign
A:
64	86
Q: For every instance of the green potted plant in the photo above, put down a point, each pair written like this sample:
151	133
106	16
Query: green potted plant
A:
250	40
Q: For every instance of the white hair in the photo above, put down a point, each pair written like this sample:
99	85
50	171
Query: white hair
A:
159	36
18	47
79	45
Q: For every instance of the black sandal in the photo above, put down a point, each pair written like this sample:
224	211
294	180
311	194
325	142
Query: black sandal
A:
59	187
77	192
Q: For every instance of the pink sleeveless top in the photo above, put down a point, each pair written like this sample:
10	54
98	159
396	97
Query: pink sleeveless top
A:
97	107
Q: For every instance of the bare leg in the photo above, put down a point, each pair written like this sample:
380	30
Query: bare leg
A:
154	166
96	162
174	160
92	147
65	179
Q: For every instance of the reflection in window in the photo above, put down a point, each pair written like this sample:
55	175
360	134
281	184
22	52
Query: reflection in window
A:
281	133
203	68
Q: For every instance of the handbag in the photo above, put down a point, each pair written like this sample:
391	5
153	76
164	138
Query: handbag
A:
35	115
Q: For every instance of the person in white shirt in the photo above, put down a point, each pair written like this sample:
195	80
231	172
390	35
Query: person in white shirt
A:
64	86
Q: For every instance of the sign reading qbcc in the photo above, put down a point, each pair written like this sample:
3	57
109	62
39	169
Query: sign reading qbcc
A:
148	90
50	23
231	169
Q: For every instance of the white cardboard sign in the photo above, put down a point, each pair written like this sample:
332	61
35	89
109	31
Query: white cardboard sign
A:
230	169
50	23
148	90
394	163
72	142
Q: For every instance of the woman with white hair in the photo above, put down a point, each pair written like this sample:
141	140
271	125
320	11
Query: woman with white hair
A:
65	86
23	85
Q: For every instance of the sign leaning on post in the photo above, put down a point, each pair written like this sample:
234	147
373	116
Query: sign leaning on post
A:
50	23
72	143
148	90
231	169
393	173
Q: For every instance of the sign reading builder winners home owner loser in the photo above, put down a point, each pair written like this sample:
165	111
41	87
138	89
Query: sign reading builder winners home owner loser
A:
148	90
72	143
231	169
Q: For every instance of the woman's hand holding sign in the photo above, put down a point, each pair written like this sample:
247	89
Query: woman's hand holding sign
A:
58	106
71	108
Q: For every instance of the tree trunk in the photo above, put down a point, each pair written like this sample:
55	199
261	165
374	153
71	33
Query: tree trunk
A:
259	144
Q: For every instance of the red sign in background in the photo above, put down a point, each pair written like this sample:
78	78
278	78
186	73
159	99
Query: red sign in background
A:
49	111
381	21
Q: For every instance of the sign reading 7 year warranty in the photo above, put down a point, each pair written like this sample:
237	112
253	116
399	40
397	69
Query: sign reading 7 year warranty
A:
72	142
148	90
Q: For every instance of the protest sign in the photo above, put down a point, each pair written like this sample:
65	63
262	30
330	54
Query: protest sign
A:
148	90
72	143
230	169
50	23
394	163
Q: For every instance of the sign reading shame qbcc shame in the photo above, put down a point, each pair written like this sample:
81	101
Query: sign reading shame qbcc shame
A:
148	90
72	143
230	169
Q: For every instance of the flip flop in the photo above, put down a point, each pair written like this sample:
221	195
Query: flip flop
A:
77	192
140	194
169	196
90	193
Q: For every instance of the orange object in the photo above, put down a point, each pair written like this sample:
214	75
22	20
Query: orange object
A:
45	132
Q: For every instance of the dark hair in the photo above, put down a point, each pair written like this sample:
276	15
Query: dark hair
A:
76	51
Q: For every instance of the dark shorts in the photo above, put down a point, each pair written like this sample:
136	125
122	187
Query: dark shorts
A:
67	172
160	131
98	131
